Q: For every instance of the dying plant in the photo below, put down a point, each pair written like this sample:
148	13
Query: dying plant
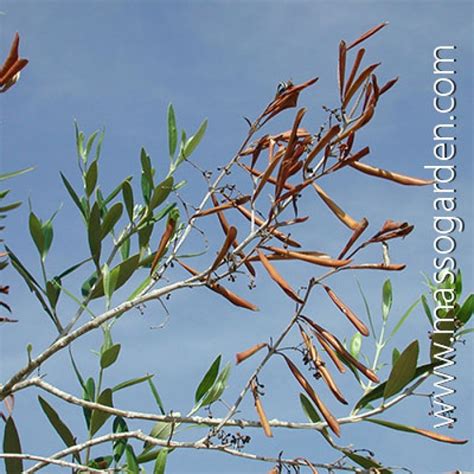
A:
262	231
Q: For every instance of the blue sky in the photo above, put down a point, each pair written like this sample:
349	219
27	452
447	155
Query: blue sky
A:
117	65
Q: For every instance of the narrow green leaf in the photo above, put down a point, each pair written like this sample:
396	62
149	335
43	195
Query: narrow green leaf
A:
465	312
132	462
10	207
11	444
111	218
367	310
216	391
387	298
366	462
91	178
395	355
119	426
160	463
131	382
309	409
53	289
355	345
12	174
36	233
378	391
194	141
107	282
98	418
127	194
427	309
109	356
125	249
94	233
403	371
73	194
208	380
140	288
403	319
161	192
90	142
98	147
172	131
60	427
156	396
76	369
48	233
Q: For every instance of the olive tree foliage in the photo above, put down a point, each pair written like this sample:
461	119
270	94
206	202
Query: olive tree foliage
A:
138	232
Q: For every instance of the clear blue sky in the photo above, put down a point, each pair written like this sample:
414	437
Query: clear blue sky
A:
118	64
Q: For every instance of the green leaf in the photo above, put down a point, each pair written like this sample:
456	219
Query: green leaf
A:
309	409
36	232
161	192
47	230
172	131
99	144
387	298
208	380
144	234
125	249
10	207
76	369
98	418
88	394
94	233
91	178
131	382
127	194
90	142
464	332
109	356
73	194
119	426
412	429
111	218
403	319
366	462
12	174
120	274
132	462
355	345
53	290
458	285
60	427
11	444
367	310
160	463
465	312
108	282
395	355
140	288
379	390
216	391
156	396
403	371
194	141
427	309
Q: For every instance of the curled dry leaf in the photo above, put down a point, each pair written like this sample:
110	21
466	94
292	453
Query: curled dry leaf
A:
392	230
364	119
357	323
310	258
225	227
278	279
388	85
265	176
362	225
390	175
270	179
260	411
241	356
227	294
342	66
354	69
287	99
266	141
345	218
327	415
321	367
165	238
10	70
339	348
332	355
355	86
230	238
275	232
324	140
367	35
355	157
227	205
